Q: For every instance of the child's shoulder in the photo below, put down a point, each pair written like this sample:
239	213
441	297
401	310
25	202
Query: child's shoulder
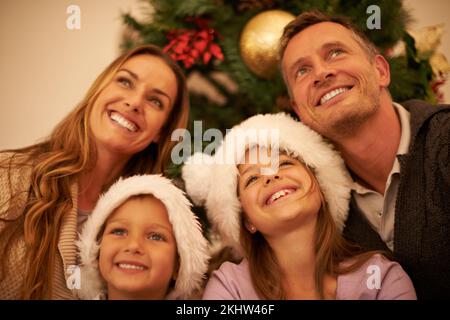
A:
234	269
376	262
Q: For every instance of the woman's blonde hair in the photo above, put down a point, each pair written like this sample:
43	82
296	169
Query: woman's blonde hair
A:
330	248
57	164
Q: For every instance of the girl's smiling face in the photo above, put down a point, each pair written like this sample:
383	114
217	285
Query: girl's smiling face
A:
138	252
279	202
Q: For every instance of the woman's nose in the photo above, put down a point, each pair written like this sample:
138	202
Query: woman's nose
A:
134	102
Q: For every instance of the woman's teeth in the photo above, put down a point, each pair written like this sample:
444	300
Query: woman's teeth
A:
279	194
332	94
123	122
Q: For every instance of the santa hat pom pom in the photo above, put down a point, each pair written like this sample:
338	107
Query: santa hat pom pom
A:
196	174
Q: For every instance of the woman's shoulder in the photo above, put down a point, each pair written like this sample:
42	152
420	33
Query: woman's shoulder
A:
15	167
15	178
11	158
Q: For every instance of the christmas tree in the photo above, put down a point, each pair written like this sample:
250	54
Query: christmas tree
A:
212	39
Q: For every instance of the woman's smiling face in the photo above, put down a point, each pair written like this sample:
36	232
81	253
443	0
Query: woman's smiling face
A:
131	110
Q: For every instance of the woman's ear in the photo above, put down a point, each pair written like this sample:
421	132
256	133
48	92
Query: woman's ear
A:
249	226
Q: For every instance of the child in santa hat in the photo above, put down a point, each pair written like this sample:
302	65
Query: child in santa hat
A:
142	241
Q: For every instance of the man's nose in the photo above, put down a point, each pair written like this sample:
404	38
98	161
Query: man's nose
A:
322	73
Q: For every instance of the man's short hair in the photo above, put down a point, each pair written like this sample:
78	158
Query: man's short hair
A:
313	17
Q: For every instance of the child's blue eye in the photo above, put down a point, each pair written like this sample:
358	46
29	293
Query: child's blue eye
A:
285	163
156	236
118	232
251	180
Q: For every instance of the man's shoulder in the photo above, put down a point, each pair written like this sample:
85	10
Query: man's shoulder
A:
422	110
416	103
436	116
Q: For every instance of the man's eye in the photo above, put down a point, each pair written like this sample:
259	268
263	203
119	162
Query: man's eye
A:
156	236
336	52
124	82
301	71
118	232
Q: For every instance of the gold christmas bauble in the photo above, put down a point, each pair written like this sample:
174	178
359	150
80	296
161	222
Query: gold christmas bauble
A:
260	39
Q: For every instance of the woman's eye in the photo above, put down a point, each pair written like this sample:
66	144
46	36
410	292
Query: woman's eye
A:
336	52
155	101
124	82
118	232
156	236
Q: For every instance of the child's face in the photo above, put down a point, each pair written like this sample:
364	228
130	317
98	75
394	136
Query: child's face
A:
138	253
278	203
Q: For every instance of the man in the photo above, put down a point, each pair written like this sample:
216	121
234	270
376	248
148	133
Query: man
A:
398	155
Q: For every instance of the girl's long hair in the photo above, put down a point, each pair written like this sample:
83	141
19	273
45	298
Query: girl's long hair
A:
331	250
57	163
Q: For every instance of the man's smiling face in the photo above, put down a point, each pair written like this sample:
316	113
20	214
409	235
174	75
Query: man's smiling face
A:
334	84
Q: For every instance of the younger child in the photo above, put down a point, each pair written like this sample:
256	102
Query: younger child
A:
143	242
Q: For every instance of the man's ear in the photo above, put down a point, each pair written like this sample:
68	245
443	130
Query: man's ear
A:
293	105
295	108
383	69
249	226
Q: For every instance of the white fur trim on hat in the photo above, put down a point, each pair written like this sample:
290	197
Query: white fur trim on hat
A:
219	188
191	245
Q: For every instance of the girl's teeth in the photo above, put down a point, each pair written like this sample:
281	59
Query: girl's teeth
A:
279	194
332	94
130	266
123	122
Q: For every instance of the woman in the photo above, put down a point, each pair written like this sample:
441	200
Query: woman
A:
121	128
285	216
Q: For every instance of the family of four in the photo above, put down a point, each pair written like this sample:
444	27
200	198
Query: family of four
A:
360	187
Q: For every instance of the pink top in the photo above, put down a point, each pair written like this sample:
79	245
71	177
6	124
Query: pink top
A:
377	279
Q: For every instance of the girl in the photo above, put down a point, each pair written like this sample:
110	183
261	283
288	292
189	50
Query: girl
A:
285	218
121	128
142	241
